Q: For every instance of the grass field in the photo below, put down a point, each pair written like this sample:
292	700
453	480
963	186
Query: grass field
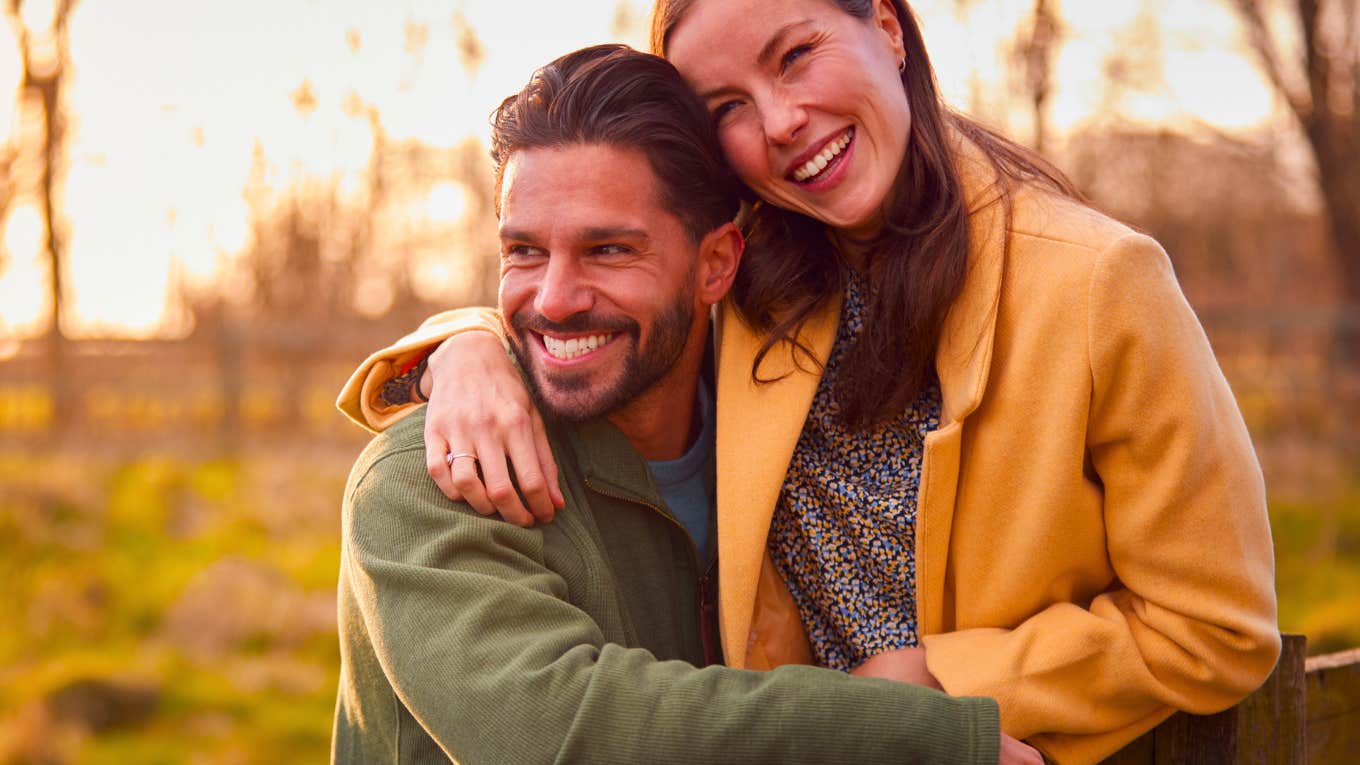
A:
169	609
182	609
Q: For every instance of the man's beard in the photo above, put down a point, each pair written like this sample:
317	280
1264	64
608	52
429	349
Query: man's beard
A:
579	397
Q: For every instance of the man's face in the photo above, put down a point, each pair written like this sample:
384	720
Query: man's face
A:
597	277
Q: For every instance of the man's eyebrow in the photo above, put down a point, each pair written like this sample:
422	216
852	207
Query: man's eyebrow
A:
590	233
599	233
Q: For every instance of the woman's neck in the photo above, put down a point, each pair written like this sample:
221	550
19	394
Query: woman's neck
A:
853	250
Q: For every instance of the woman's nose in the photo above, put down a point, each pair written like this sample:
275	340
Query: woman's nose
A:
784	117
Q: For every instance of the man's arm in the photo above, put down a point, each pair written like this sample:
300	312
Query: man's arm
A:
476	636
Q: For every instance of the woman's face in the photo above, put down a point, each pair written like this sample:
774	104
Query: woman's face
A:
807	98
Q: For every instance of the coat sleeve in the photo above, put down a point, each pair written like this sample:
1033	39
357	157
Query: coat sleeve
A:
1190	622
359	399
476	637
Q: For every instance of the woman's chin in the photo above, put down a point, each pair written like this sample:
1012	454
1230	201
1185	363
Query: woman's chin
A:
845	211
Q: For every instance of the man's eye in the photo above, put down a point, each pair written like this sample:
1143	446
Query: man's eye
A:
519	253
612	249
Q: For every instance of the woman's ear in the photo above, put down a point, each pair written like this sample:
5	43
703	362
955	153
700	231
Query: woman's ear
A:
887	21
719	255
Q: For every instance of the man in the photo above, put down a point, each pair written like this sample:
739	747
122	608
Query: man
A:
468	638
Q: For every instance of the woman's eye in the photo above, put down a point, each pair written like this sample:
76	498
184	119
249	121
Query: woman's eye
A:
723	109
793	54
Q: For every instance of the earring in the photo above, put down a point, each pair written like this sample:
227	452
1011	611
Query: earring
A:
902	66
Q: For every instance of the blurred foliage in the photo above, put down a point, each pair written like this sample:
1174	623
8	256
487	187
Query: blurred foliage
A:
168	609
1317	569
181	609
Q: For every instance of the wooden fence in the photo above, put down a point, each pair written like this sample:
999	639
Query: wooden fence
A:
1308	711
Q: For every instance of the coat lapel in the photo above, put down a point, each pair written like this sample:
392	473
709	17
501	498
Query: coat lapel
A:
758	428
963	363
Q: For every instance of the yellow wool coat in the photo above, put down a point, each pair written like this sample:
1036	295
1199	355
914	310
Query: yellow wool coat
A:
1092	544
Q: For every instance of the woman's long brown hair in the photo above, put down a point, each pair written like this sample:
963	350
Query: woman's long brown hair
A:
916	265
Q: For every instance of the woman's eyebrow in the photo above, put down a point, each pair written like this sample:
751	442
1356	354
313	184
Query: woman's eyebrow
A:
776	41
767	53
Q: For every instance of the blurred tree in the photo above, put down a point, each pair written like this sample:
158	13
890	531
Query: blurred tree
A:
1315	67
1135	64
44	50
626	22
304	98
7	155
977	106
1034	51
471	51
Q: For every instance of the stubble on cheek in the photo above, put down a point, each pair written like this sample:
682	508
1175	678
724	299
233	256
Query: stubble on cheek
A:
575	396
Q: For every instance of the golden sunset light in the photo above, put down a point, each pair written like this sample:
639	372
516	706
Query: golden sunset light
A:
1076	372
171	102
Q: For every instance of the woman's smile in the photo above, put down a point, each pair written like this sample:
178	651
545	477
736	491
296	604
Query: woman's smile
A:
815	172
811	112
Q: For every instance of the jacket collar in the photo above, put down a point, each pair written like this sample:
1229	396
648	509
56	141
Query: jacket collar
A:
609	462
607	458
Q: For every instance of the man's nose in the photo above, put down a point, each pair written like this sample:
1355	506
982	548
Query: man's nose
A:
564	291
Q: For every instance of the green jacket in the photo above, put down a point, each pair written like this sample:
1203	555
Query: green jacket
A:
467	638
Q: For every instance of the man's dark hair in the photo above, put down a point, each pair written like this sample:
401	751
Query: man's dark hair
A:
615	96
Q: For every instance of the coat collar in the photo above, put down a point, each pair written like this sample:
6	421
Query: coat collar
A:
963	359
759	424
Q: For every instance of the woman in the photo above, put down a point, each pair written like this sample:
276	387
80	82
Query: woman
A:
997	454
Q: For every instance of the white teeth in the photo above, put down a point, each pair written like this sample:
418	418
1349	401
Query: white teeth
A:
576	346
818	163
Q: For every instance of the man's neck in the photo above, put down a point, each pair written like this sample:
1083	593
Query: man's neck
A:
661	423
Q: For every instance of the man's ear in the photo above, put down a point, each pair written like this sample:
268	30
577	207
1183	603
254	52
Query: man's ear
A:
719	255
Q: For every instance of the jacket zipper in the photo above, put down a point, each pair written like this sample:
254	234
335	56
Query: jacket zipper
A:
707	606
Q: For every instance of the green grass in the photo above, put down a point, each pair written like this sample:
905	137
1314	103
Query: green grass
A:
115	570
1317	569
112	568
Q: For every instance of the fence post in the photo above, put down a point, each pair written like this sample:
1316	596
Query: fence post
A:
1334	707
1272	723
1267	727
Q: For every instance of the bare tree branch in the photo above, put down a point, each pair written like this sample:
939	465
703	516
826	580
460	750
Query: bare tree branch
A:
1318	65
1352	46
1268	52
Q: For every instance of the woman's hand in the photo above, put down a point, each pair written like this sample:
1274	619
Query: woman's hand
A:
479	406
1016	752
908	665
905	665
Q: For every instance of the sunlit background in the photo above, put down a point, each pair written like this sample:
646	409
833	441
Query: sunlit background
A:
173	106
246	198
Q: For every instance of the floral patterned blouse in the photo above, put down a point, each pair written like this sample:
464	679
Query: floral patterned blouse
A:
843	535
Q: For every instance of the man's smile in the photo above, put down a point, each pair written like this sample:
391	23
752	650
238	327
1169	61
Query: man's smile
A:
569	348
